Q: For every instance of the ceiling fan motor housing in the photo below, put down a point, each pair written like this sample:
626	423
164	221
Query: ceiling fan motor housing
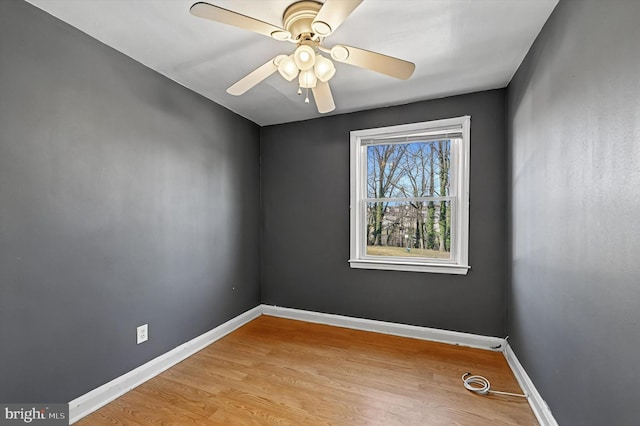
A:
298	17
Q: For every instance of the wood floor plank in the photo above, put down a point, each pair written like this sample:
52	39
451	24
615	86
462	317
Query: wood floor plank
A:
275	371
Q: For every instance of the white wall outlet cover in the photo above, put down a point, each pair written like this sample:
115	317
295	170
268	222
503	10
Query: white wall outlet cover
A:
142	333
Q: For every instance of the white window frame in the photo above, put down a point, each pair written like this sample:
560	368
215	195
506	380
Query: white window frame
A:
460	147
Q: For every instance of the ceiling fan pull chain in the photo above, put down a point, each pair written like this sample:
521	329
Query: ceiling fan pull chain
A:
306	100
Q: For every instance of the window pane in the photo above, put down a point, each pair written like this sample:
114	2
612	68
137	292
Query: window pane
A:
409	229
417	169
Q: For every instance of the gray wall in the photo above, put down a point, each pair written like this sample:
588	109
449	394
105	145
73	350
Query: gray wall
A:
305	223
124	199
574	128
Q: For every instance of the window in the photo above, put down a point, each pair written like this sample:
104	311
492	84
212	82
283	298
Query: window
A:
410	197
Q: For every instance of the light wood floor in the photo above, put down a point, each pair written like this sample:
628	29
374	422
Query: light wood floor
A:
274	371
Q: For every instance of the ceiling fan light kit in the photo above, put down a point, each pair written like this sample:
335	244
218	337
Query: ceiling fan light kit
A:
288	68
304	57
306	23
324	68
307	79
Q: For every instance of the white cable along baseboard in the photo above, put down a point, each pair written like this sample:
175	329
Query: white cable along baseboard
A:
97	398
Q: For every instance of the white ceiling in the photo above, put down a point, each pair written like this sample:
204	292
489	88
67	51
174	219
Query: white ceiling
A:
458	46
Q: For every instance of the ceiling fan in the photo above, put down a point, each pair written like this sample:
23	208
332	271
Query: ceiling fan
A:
307	24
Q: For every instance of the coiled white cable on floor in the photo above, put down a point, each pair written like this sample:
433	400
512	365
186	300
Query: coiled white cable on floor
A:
481	385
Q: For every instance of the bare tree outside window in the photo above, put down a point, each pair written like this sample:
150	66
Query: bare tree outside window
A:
408	199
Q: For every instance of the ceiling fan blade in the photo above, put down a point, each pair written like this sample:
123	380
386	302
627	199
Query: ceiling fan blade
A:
332	14
218	14
253	78
373	61
323	97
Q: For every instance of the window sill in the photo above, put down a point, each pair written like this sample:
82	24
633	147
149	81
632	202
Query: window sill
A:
436	268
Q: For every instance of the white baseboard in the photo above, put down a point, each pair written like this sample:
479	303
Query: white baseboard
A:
97	398
403	330
539	407
93	400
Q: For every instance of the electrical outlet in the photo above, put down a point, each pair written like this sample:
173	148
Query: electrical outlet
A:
143	333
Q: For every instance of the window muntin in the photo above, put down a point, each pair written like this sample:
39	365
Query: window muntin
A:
409	197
